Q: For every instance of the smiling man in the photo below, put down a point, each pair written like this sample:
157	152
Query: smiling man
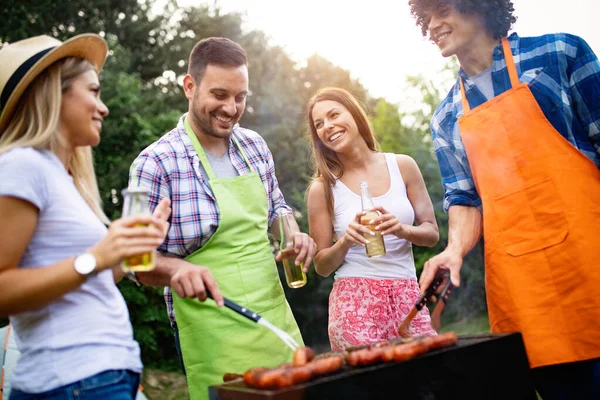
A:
518	144
224	196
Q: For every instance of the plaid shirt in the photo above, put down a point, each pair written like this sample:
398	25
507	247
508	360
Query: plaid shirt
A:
564	76
170	167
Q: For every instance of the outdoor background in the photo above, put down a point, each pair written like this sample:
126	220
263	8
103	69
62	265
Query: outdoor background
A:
149	45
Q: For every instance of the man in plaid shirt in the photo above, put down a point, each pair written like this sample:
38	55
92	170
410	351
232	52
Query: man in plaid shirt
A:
518	145
224	196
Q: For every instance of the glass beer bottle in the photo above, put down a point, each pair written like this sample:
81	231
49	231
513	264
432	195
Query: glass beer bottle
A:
375	246
135	202
294	275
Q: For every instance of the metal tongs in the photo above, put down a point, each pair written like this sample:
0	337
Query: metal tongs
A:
283	335
438	292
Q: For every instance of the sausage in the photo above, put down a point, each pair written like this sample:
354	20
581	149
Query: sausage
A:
251	375
405	352
227	377
301	374
428	342
284	379
270	378
387	354
444	340
370	356
327	365
302	356
352	358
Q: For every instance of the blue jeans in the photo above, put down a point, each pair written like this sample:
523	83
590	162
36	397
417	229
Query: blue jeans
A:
108	385
571	381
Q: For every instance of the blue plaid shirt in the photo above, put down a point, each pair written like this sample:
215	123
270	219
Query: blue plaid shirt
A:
170	167
563	74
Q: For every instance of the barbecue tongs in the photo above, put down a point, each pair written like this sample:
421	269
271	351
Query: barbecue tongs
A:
243	311
438	292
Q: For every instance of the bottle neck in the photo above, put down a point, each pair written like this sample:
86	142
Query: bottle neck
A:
365	198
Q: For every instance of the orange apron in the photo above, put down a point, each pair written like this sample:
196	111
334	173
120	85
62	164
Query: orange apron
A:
541	223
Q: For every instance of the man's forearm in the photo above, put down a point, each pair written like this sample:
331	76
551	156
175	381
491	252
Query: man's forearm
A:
162	273
465	228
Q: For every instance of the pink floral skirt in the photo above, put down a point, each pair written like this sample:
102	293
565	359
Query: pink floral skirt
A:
364	311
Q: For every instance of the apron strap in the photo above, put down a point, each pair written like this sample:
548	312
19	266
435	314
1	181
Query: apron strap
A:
510	63
512	73
202	155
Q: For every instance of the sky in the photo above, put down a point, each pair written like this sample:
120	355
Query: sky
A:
377	40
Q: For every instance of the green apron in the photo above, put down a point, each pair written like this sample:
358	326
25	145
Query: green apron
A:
217	340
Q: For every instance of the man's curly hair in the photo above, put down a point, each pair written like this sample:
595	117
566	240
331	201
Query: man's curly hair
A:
497	14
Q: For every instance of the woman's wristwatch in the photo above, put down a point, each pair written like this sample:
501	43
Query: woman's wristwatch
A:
85	264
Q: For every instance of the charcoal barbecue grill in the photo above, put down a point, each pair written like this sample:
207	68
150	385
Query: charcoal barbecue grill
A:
482	367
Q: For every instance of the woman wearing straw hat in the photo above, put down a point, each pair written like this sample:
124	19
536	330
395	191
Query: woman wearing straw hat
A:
58	265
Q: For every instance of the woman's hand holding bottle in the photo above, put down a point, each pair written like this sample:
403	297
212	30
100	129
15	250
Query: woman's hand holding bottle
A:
388	224
132	235
355	232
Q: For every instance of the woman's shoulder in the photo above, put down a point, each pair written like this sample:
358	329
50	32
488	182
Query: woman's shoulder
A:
404	160
407	165
27	157
316	186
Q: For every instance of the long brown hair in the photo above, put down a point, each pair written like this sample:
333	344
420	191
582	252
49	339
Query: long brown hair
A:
326	164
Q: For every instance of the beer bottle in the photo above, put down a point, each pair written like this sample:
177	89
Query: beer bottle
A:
294	274
375	246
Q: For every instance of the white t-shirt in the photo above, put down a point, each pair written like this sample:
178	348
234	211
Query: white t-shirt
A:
398	261
87	331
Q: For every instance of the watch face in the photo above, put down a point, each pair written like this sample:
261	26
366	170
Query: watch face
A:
85	264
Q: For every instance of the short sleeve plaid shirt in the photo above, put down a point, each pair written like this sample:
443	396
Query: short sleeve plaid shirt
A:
170	167
563	74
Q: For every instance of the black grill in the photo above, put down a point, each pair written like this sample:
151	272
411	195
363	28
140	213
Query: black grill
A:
481	367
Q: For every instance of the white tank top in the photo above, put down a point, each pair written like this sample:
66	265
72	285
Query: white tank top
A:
398	261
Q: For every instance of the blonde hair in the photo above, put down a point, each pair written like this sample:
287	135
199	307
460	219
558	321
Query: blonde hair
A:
326	164
36	121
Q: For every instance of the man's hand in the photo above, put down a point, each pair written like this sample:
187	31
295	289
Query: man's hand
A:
193	281
305	248
448	259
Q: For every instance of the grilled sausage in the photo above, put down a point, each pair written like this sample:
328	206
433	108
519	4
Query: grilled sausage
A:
444	340
270	378
405	352
387	355
284	379
352	358
227	377
327	365
251	375
370	356
302	356
301	374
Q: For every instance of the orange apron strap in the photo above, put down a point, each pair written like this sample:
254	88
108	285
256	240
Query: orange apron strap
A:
512	73
4	359
510	63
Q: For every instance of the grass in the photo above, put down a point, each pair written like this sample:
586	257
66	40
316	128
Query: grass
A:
162	385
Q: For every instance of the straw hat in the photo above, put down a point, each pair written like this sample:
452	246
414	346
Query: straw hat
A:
22	61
